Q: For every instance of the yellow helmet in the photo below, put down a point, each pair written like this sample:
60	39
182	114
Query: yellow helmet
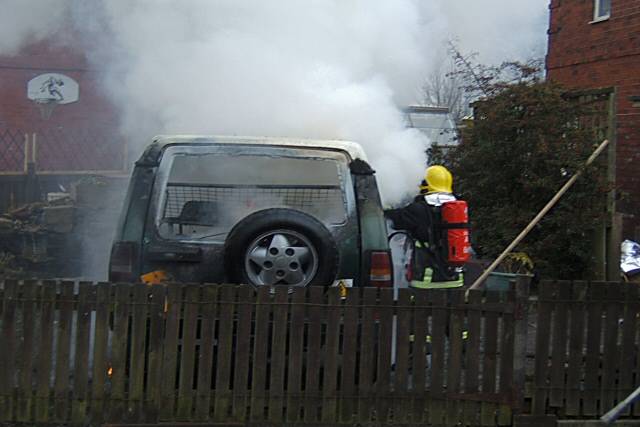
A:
437	179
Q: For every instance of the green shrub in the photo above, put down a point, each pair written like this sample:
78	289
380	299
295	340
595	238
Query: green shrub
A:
525	141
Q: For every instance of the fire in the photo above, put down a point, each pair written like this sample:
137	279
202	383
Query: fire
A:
110	371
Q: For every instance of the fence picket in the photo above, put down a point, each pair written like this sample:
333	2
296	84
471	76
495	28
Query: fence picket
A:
173	307
155	372
402	343
86	298
437	405
140	314
454	368
246	300
506	383
118	364
596	294
208	314
520	343
227	295
629	328
188	352
383	376
278	354
43	391
312	396
576	344
543	332
331	353
7	355
472	359
367	354
296	349
100	345
614	294
636	406
260	356
421	315
25	391
559	345
61	385
349	403
489	367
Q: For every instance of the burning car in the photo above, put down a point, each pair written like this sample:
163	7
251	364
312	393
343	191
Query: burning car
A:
257	210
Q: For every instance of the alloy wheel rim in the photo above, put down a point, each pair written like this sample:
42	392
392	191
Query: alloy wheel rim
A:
281	257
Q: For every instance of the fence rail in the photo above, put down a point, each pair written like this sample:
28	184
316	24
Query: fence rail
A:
84	353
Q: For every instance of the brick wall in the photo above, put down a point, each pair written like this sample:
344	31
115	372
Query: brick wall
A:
78	136
585	54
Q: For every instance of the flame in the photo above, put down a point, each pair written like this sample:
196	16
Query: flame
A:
110	371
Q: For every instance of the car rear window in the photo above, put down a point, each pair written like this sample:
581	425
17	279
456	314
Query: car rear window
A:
206	194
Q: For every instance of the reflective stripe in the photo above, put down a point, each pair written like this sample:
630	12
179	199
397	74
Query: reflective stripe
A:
426	283
436	285
439	198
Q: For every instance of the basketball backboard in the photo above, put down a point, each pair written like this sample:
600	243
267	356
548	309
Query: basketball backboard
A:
53	88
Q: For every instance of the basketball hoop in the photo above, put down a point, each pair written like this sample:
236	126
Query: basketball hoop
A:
46	106
50	89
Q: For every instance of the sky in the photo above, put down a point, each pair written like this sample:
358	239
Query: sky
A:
334	69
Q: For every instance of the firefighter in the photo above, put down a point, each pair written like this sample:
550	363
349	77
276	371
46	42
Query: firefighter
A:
422	220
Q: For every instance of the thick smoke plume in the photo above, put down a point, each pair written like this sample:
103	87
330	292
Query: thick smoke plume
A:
316	69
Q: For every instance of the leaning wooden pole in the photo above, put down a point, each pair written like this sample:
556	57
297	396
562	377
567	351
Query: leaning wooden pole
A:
540	215
613	414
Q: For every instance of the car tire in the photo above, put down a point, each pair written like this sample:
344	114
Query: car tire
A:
281	247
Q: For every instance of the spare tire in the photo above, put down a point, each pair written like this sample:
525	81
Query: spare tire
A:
281	247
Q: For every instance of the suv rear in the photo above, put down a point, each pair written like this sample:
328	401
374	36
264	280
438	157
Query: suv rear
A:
265	211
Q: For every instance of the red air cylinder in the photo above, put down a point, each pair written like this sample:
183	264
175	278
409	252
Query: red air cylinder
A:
455	218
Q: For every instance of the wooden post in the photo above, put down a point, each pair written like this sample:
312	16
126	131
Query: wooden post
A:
31	185
31	189
520	341
34	149
26	153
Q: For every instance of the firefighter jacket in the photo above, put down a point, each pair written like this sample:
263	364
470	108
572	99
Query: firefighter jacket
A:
421	220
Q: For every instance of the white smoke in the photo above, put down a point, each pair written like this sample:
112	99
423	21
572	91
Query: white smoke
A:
25	21
498	30
317	68
323	69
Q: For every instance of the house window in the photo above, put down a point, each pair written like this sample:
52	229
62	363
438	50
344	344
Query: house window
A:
601	10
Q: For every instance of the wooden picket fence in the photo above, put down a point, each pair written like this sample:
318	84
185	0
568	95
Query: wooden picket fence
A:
82	353
587	348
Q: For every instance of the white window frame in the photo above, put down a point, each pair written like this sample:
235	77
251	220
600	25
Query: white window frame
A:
596	10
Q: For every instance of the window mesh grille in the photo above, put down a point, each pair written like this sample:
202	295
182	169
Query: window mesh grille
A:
326	203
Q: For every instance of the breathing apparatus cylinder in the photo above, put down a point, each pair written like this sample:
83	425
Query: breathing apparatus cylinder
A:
455	220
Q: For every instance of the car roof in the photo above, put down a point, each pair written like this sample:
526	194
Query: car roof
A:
353	149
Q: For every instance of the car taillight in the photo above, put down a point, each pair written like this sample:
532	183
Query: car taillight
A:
121	264
380	271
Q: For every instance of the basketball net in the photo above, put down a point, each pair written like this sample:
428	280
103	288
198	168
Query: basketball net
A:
46	106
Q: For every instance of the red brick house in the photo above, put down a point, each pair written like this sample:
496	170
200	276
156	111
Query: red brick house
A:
595	45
